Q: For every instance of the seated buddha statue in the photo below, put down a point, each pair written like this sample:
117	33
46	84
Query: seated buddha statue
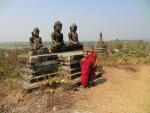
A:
73	38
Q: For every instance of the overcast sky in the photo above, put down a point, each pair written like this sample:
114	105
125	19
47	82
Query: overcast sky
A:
123	19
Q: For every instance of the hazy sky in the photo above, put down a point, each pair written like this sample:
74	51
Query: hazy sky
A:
123	19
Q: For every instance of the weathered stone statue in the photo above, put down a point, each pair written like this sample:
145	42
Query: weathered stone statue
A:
101	40
57	38
73	38
36	46
100	46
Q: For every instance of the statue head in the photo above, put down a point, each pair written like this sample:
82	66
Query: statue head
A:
100	34
73	28
35	32
58	26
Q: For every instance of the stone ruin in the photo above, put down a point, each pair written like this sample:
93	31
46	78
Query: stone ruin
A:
100	46
45	64
58	44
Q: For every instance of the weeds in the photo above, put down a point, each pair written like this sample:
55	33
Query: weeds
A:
58	82
9	66
128	52
22	51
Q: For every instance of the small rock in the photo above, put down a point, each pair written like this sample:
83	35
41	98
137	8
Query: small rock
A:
54	108
37	92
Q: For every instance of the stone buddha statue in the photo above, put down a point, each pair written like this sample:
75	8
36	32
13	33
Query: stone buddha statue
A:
36	46
57	38
73	38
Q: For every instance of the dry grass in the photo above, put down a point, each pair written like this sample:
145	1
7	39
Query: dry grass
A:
10	66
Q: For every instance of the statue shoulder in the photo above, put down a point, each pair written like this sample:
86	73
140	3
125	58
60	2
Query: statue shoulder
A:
69	33
31	41
61	34
40	38
76	34
30	38
52	34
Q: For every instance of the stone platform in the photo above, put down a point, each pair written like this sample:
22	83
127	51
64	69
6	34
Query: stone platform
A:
41	67
43	64
70	64
38	69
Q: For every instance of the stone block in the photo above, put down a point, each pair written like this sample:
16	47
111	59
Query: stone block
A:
43	64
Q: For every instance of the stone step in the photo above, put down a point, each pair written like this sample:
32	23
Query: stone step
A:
44	70
33	79
77	81
25	77
74	55
70	70
73	76
30	86
66	62
41	64
43	58
72	65
41	77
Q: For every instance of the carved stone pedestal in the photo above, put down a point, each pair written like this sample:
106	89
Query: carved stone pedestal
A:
39	69
70	64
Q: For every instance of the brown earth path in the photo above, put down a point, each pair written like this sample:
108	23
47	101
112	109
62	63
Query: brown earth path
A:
124	91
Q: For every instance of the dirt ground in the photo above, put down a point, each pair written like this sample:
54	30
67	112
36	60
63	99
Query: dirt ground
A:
125	90
122	89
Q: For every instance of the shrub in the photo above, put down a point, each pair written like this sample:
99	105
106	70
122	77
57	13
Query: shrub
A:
9	66
22	51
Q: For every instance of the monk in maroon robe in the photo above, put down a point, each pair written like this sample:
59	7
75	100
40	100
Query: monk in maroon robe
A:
85	70
92	56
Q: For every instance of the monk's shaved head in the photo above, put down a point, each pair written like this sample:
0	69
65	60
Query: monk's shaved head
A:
91	48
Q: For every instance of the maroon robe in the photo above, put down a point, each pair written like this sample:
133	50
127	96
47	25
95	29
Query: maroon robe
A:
93	58
85	70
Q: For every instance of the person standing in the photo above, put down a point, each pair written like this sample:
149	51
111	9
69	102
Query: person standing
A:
85	70
93	57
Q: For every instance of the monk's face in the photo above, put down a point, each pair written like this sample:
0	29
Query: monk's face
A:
91	49
85	55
